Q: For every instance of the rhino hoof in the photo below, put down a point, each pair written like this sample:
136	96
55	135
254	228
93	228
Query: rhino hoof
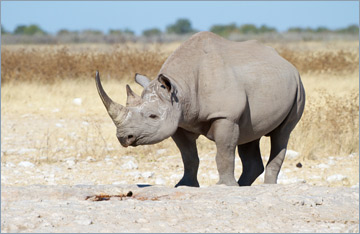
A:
183	182
228	183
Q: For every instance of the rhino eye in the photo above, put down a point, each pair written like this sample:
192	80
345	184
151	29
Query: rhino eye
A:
153	116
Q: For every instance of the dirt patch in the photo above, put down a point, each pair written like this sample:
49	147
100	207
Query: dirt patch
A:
260	208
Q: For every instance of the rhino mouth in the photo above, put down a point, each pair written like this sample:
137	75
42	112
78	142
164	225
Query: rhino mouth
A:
127	145
128	141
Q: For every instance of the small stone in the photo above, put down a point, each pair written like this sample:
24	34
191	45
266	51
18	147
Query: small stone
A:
291	154
322	166
77	101
142	220
119	182
25	151
130	165
90	159
179	176
135	174
336	177
299	165
26	164
9	164
147	174
59	125
161	151
159	181
70	162
84	221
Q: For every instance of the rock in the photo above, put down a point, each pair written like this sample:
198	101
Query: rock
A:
159	181
161	151
90	159
24	151
70	162
77	101
134	174
179	176
322	166
292	181
130	165
119	182
59	125
84	221
331	162
336	177
9	164
147	174
26	164
142	220
291	154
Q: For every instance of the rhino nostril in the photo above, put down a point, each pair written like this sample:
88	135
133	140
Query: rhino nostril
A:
130	136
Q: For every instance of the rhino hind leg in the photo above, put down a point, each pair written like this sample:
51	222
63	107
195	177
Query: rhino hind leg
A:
277	155
226	135
186	142
251	162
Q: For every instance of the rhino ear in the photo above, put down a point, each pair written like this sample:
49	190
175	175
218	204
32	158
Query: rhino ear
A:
169	87
132	98
166	83
142	80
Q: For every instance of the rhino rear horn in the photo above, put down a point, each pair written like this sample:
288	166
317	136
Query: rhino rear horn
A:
132	98
115	110
142	80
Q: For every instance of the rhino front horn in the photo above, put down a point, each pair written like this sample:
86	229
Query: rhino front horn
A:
114	109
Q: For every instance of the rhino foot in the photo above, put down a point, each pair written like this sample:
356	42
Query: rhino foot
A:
187	182
229	182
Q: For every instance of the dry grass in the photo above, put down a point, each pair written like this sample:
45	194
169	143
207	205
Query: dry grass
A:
58	74
54	63
58	63
329	62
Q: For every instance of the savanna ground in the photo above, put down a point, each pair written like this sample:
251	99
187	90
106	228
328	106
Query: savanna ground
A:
55	130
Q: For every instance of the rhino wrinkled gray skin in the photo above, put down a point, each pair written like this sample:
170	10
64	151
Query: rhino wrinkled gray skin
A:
231	92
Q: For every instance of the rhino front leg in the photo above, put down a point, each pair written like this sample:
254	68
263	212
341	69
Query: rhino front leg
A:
186	142
226	135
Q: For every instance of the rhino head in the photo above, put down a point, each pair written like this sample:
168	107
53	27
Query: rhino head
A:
148	119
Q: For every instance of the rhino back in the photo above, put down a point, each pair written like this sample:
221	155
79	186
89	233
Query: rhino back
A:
246	82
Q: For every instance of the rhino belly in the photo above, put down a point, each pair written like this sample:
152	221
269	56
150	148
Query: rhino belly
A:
263	116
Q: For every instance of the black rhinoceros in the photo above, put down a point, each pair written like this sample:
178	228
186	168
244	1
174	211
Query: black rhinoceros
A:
231	92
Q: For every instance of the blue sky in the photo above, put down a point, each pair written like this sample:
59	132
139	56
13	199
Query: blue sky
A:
140	15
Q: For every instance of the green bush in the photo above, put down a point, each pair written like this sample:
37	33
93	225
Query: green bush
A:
29	30
151	32
181	26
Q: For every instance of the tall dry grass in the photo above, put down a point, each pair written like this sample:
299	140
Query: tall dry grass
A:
121	62
58	63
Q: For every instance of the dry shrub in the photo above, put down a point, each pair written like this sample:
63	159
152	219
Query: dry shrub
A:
49	65
329	126
330	62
